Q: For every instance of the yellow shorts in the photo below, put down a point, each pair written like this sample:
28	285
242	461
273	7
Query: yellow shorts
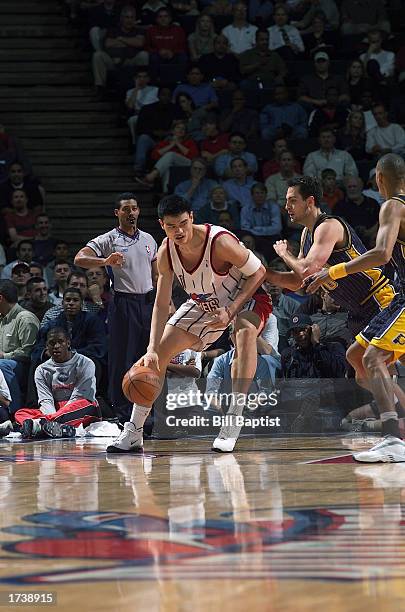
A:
386	331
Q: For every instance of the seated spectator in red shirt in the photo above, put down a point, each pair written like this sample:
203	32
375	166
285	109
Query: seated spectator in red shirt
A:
177	150
214	143
333	115
331	192
16	180
272	166
21	221
359	211
166	43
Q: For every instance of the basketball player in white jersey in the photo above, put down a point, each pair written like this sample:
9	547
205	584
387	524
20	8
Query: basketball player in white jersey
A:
223	279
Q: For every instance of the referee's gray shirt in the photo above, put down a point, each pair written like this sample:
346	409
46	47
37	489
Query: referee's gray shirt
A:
139	252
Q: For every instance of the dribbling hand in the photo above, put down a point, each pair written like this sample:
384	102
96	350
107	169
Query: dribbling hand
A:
115	260
149	360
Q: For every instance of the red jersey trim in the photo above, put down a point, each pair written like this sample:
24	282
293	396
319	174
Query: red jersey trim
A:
211	250
208	229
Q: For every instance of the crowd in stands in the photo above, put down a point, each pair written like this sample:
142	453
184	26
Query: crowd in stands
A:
225	102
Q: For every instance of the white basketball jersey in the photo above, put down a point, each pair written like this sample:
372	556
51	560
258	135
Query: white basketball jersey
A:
208	288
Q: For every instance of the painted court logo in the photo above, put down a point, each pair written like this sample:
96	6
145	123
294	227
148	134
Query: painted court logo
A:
309	543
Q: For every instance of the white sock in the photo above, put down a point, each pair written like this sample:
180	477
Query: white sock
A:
238	402
386	416
139	415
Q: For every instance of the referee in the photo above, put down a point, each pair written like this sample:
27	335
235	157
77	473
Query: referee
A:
130	259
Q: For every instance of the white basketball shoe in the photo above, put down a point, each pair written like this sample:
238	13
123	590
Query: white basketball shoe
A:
130	440
389	450
227	438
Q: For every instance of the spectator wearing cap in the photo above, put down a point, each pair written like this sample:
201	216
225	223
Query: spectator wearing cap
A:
238	187
197	188
361	16
327	156
372	188
260	66
285	38
308	357
21	221
283	118
18	333
313	87
237	149
262	218
240	33
24	254
360	211
386	137
216	204
20	276
239	117
36	299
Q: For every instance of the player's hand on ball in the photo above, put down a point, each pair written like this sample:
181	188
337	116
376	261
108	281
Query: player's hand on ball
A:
149	360
281	247
312	283
115	260
220	318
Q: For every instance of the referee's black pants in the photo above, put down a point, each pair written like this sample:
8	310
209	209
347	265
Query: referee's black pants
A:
129	322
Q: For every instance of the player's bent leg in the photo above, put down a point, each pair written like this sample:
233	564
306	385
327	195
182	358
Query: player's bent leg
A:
174	341
354	356
247	327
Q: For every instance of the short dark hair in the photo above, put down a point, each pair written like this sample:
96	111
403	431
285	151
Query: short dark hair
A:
58	242
308	186
64	262
328	171
325	129
173	205
238	159
392	166
126	195
35	264
9	291
78	274
74	290
34	281
58	330
23	242
238	134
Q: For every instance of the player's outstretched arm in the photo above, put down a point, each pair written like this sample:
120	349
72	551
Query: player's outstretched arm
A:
87	258
160	309
389	224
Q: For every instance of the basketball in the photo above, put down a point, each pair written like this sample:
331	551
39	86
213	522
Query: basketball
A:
141	384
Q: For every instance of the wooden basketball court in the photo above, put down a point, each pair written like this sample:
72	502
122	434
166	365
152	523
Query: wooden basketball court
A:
287	524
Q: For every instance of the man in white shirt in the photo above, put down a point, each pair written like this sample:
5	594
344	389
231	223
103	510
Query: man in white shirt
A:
386	137
385	59
139	96
284	38
240	34
329	157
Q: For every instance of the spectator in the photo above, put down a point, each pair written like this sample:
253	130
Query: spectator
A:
18	332
318	38
202	93
359	211
60	253
309	357
37	297
99	286
326	10
178	150
353	137
375	53
260	66
272	166
361	16
357	81
24	253
103	17
141	95
331	192
225	220
193	117
220	8
149	11
284	38
166	43
332	115
66	389
277	184
21	221
372	191
260	11
282	118
154	124
250	243
330	319
238	187
62	271
240	33
6	425
262	218
196	190
20	275
386	137
16	180
44	244
237	149
313	86
86	331
217	203
220	67
36	269
215	143
76	280
123	48
201	41
329	157
239	118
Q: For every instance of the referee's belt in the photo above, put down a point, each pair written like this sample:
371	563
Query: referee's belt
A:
146	298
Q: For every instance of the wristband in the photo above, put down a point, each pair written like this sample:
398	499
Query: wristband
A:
337	271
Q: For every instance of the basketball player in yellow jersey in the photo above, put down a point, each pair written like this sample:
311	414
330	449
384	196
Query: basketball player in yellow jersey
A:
384	336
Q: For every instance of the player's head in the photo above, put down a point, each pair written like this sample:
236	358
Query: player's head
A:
126	209
303	195
58	344
176	218
390	175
